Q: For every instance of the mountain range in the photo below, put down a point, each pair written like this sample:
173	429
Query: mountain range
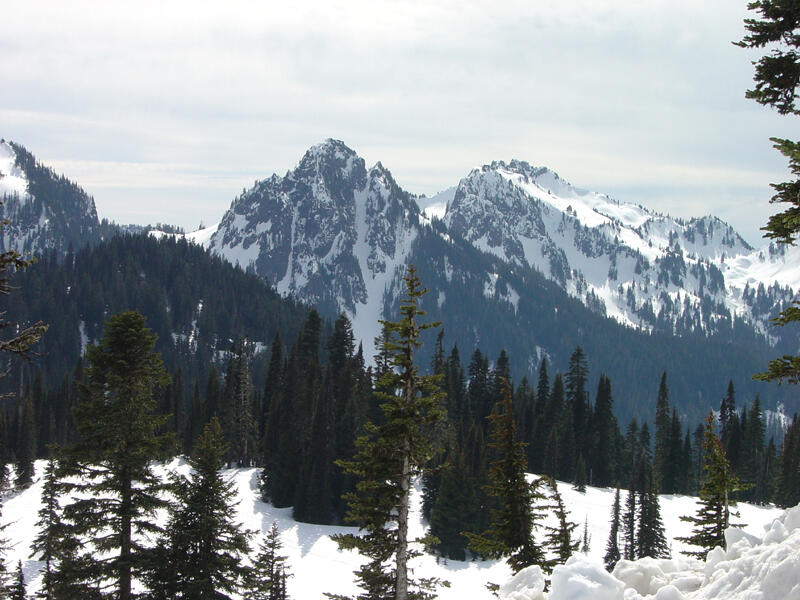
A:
515	258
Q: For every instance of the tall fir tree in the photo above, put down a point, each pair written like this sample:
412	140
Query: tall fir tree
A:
559	539
114	492
776	77
714	513
651	540
26	443
390	454
629	526
17	590
612	555
237	411
205	548
512	521
787	483
269	572
661	450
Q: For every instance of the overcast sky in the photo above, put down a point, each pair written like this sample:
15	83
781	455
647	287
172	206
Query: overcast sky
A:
164	111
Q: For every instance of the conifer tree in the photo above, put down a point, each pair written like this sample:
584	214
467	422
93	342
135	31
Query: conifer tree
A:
661	457
612	555
240	427
629	526
26	443
651	540
115	492
390	454
776	86
787	484
602	460
455	509
578	398
511	531
559	539
713	515
53	543
17	590
269	572
205	547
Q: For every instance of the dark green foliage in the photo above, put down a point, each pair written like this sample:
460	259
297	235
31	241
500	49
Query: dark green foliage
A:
787	492
203	556
629	527
602	458
713	515
54	543
17	589
115	492
651	540
777	76
612	555
512	522
559	540
389	454
269	571
633	360
71	214
661	454
26	443
237	409
456	508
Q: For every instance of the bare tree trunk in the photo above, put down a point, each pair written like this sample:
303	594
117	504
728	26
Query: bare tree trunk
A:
401	584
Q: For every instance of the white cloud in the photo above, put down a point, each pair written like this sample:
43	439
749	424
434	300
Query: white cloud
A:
642	99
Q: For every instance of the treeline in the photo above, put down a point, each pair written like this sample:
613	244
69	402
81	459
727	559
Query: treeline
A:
318	392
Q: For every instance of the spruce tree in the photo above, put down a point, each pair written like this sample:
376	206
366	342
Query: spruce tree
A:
661	456
456	508
205	547
713	515
629	526
612	555
115	493
390	454
512	521
17	589
650	539
559	540
53	543
787	483
269	572
240	426
776	86
26	443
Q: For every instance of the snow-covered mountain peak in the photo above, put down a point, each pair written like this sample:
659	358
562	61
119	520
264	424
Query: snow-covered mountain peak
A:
330	232
640	267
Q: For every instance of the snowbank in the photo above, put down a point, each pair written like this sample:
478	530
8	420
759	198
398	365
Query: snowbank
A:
751	568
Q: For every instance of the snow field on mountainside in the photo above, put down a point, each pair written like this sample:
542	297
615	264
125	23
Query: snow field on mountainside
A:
318	566
12	179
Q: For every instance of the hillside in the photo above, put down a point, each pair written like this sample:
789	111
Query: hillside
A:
319	567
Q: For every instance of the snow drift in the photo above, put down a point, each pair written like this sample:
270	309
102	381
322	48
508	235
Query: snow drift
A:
751	568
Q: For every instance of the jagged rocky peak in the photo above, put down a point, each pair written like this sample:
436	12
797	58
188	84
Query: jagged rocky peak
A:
323	231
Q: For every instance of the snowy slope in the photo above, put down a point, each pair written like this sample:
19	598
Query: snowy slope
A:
337	234
319	567
639	267
12	179
45	211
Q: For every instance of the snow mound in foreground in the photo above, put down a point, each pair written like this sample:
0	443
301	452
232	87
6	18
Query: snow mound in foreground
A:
750	569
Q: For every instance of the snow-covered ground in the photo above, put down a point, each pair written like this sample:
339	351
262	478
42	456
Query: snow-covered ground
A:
318	566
